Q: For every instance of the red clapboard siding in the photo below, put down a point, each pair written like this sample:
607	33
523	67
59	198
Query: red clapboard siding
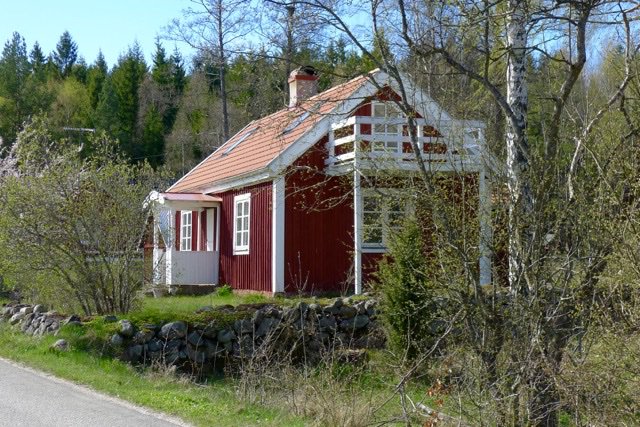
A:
203	230
318	238
252	271
178	218
194	230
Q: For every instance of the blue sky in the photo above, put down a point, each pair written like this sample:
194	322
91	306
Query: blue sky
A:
110	25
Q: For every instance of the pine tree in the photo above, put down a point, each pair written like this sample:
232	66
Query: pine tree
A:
161	68
96	75
178	73
38	60
66	54
126	78
106	115
80	70
14	70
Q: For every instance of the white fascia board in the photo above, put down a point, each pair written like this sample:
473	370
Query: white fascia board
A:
179	205
421	102
239	181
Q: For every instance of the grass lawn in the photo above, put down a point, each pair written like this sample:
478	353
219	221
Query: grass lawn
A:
176	306
212	404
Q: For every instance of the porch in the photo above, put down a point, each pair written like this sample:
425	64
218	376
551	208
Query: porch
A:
363	146
185	239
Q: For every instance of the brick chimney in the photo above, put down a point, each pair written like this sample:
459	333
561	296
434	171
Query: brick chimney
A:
303	84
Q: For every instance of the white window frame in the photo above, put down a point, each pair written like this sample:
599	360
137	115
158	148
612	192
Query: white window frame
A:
186	230
384	223
241	229
386	130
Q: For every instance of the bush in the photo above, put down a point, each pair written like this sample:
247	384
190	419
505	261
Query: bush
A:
411	310
71	221
224	291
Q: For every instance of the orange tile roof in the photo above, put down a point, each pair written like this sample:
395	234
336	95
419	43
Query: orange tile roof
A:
262	140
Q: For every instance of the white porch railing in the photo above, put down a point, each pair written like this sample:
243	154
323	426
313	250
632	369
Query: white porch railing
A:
192	268
449	147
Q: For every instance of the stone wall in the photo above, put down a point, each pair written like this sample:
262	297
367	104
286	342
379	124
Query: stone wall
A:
227	336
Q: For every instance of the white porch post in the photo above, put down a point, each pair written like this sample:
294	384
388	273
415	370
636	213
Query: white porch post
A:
486	232
277	233
156	274
357	232
170	247
218	213
209	233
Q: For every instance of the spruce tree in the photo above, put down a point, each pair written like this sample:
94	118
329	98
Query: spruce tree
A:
66	54
96	76
14	70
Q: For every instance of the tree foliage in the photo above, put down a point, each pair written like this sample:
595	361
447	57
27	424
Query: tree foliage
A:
72	222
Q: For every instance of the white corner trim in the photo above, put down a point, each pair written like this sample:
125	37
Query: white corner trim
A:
357	233
277	234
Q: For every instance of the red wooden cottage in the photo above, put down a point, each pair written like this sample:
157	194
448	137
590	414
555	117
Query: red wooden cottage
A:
280	206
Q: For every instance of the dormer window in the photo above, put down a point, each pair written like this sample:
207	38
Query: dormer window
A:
246	135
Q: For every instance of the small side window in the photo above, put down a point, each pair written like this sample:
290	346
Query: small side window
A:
185	231
241	214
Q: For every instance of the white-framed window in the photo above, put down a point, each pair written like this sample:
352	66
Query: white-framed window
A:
384	131
185	230
241	214
383	214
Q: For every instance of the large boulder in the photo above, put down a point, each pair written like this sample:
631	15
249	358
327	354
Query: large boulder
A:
266	326
16	318
225	336
38	309
126	328
143	336
116	340
357	322
347	312
195	338
60	345
173	330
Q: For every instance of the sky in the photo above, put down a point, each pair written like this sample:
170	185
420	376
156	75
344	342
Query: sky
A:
110	25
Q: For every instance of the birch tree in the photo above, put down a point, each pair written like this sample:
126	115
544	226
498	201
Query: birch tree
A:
215	28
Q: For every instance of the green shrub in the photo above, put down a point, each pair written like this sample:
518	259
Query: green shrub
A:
411	309
224	291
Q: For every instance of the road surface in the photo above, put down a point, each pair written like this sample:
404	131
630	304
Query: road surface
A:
33	399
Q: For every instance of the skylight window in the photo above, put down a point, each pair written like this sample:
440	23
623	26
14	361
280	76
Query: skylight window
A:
301	118
238	141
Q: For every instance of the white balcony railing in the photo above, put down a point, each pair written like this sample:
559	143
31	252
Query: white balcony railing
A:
385	142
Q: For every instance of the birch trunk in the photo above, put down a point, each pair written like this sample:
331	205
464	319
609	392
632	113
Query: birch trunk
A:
516	139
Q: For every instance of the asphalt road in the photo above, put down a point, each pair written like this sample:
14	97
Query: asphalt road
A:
33	399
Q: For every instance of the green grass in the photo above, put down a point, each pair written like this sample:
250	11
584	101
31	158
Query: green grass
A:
212	404
173	307
189	304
